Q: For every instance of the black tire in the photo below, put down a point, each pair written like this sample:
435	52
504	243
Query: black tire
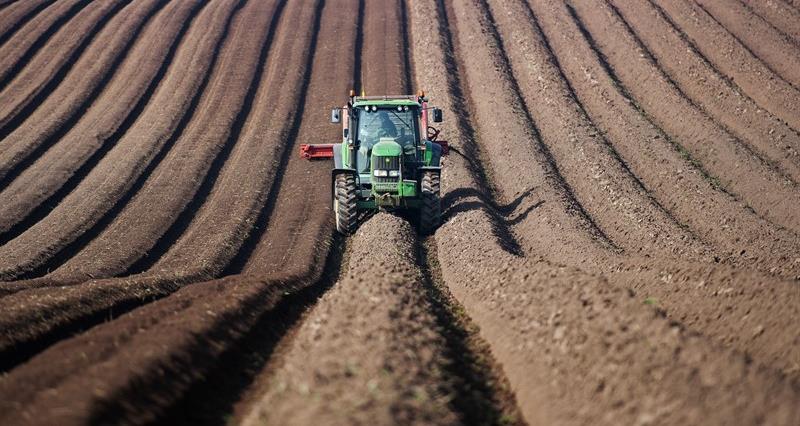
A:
430	211
345	203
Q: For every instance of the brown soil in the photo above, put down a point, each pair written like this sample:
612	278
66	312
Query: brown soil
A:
45	69
31	36
369	352
779	15
621	233
53	174
735	60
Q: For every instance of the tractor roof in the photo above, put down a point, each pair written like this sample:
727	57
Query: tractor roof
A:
408	100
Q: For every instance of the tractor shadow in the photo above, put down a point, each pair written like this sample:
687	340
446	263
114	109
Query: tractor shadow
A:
499	214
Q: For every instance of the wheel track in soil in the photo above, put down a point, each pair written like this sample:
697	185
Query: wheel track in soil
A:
47	69
402	366
34	35
737	63
63	166
710	91
128	163
753	180
84	81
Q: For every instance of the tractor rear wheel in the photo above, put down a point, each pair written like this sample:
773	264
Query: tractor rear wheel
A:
430	212
345	206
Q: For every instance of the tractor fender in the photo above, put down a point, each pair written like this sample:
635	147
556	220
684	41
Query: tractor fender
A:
436	154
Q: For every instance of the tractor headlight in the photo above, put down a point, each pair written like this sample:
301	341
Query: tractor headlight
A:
394	173
379	173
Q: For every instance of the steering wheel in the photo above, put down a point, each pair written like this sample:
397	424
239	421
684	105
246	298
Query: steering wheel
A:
433	133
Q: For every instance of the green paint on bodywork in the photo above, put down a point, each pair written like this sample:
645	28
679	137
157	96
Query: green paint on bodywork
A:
408	188
428	153
387	147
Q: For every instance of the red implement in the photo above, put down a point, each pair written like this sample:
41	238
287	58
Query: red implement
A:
318	150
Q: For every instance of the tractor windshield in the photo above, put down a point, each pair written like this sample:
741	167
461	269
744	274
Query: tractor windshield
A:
400	124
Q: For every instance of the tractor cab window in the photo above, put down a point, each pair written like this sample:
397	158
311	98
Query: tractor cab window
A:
400	124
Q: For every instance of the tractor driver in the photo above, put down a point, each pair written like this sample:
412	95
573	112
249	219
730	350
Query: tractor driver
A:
377	127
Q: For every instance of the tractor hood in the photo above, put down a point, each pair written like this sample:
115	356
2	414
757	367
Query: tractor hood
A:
387	147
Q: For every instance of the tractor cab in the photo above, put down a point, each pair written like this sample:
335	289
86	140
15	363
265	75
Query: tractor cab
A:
389	159
386	125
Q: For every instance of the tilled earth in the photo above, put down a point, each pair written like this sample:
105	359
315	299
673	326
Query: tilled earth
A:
621	236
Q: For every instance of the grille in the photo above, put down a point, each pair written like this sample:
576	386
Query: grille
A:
386	163
376	179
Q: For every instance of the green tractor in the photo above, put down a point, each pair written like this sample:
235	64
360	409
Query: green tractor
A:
389	159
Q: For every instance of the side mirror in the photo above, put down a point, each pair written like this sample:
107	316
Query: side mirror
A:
437	115
336	115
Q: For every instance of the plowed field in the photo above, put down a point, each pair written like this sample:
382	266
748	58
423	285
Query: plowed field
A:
621	234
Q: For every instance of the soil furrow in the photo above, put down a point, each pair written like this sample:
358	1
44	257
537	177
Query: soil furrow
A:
734	60
466	184
223	223
175	340
248	170
761	187
238	378
463	403
472	235
123	168
182	352
780	15
778	53
56	169
537	184
193	162
84	82
565	339
602	182
678	183
297	215
743	238
771	138
378	355
16	16
47	69
381	72
29	39
619	243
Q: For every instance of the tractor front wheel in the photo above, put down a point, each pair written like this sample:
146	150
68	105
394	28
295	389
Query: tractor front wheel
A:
430	212
345	206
